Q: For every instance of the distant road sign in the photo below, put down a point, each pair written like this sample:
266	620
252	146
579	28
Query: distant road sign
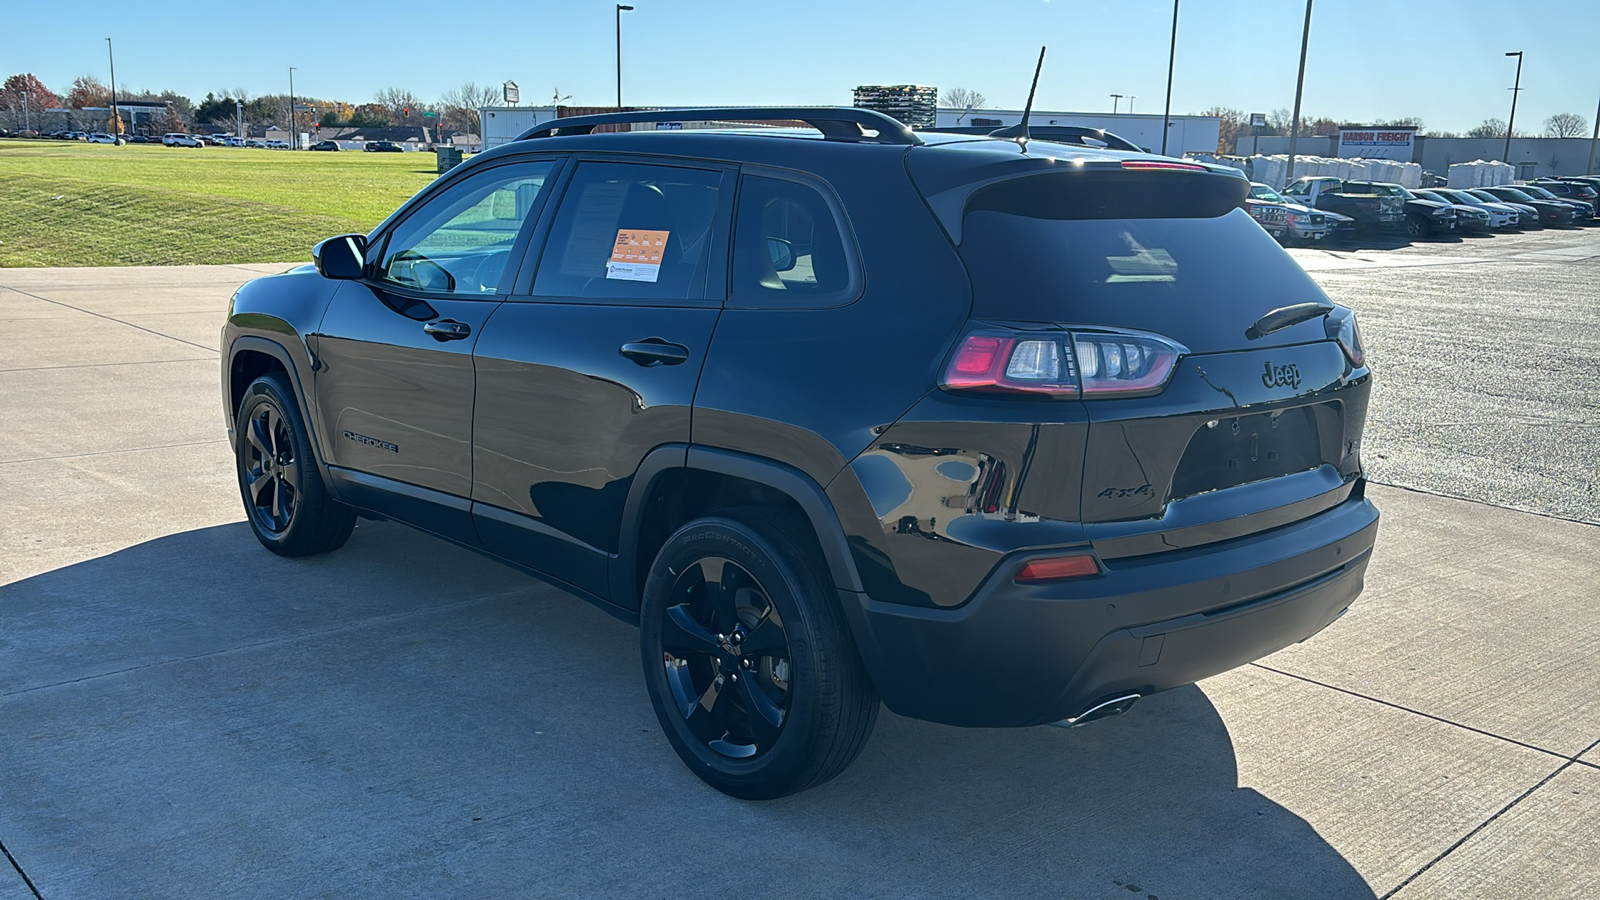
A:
513	93
1258	120
429	114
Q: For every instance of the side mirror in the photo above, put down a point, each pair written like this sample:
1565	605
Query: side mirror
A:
343	257
782	253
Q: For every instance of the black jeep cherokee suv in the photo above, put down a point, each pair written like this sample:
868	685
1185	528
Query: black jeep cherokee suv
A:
1003	433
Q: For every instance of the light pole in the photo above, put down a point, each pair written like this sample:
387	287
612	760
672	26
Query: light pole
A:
1514	92
292	138
1299	88
1131	98
116	120
1172	55
238	119
1115	99
621	8
1593	140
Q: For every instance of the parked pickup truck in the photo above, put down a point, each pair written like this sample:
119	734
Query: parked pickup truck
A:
1284	220
1424	218
1370	210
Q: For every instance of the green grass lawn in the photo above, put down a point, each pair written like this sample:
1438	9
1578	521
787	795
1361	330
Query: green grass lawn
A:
72	204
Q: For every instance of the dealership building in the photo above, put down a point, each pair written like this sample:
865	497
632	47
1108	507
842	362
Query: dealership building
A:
1532	157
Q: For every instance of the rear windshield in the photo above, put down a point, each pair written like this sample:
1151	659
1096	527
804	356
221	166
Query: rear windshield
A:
1199	279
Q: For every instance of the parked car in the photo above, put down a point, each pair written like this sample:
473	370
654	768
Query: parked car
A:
1369	210
1469	217
234	142
142	139
326	145
1424	218
1549	212
811	489
1580	197
383	147
1286	221
99	137
256	144
1502	216
182	140
1528	218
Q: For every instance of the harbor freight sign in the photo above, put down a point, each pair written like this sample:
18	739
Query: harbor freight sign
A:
1377	143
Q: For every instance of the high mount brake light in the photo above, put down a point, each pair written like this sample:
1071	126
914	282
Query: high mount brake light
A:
1062	364
1157	164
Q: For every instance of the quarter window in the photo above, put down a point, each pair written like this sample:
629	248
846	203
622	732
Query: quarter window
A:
632	232
788	251
460	241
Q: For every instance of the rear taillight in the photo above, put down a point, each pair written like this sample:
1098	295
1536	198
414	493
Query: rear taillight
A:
1087	364
1342	328
1161	164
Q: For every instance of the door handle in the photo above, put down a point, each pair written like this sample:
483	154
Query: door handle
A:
655	352
447	330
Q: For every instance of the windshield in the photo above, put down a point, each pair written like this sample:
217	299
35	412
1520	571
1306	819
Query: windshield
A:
1515	194
1537	191
1262	192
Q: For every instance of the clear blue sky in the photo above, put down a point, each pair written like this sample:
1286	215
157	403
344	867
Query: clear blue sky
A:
1440	60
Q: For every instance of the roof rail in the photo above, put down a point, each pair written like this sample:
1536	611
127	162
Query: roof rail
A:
837	123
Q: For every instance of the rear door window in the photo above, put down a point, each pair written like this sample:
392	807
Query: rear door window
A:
789	248
634	232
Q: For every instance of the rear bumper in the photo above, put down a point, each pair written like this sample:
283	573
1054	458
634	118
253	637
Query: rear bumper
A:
1028	655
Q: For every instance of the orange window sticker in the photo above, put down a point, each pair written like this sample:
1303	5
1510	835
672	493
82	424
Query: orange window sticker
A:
636	255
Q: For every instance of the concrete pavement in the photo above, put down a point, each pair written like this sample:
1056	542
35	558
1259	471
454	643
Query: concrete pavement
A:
183	714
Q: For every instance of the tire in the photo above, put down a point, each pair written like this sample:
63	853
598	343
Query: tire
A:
1415	227
285	501
768	572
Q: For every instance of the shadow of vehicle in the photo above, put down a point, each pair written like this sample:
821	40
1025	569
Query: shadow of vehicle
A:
403	718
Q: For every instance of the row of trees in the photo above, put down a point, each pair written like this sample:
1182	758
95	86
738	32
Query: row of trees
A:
24	98
1236	130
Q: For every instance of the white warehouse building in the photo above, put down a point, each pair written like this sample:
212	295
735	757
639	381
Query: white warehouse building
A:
1185	134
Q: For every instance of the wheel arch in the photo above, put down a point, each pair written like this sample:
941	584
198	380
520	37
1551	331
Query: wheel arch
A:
678	470
249	357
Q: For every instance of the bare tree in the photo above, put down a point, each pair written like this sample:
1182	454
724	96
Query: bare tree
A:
1489	128
399	102
1565	125
963	99
458	108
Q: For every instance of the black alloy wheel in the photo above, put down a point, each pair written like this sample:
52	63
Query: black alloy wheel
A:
753	674
289	509
1415	227
271	471
726	658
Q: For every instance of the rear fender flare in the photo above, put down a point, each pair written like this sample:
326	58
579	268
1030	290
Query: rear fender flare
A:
791	482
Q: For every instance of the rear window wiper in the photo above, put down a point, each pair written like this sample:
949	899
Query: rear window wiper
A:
1282	318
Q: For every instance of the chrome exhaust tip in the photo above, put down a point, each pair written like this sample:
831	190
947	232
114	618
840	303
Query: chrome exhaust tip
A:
1104	709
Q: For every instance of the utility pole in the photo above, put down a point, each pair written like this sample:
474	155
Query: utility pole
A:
1131	98
238	119
1172	55
116	120
293	139
1299	88
1115	99
1593	140
1514	92
621	8
25	126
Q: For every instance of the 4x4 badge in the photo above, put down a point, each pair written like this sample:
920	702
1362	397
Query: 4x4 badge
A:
1281	376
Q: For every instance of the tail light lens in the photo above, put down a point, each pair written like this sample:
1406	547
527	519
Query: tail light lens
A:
1085	364
1342	328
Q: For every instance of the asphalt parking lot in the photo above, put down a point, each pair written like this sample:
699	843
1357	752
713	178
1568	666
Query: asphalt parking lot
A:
183	714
